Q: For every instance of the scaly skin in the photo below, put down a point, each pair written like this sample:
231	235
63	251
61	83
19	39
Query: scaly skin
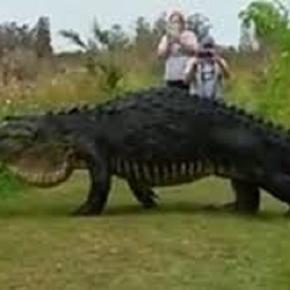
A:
155	137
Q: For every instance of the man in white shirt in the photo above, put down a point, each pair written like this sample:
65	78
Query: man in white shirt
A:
206	71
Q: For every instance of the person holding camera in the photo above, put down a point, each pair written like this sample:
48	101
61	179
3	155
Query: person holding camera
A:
206	71
176	47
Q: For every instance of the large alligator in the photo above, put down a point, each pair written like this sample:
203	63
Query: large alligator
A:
153	137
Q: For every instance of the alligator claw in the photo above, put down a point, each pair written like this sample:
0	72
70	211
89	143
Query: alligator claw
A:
150	201
155	196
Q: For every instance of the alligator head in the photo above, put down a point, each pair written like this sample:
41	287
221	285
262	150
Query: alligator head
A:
34	149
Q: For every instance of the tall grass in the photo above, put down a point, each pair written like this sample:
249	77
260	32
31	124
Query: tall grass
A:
74	86
262	81
261	85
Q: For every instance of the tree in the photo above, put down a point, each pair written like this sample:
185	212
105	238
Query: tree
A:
14	36
143	32
271	21
248	38
271	82
100	52
159	26
102	39
17	52
200	25
117	38
42	37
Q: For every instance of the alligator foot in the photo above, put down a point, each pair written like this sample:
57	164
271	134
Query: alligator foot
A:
145	195
236	208
150	204
232	207
150	200
87	210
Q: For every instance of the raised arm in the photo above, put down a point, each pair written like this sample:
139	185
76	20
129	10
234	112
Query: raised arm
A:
190	70
163	47
224	66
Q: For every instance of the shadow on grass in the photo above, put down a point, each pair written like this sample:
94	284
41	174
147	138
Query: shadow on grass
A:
65	210
39	211
183	208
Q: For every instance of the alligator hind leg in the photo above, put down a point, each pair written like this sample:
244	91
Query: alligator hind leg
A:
247	197
145	195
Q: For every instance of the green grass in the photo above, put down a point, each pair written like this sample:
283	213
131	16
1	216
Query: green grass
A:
178	246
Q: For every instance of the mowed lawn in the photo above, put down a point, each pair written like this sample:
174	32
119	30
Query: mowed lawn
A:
177	246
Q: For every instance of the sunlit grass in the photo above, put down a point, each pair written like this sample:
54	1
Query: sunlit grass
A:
177	246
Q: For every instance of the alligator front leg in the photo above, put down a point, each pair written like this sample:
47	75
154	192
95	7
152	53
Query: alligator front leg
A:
247	197
145	195
99	188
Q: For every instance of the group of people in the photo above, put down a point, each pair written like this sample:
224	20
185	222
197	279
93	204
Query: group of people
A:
190	64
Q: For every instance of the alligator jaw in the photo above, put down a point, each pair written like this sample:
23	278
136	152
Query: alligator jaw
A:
44	179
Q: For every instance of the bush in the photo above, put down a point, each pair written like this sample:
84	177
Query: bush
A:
10	186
